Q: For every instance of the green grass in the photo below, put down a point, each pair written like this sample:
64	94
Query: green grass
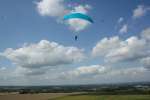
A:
105	97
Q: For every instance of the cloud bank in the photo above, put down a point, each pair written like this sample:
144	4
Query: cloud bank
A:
50	62
35	58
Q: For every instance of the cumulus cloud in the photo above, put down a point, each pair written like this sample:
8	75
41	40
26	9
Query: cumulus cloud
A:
131	71
121	19
78	75
115	49
43	54
23	71
104	45
125	57
54	8
81	9
78	24
146	33
124	29
146	61
129	50
140	11
2	68
84	71
96	71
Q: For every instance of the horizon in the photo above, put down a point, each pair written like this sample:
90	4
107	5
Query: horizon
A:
99	84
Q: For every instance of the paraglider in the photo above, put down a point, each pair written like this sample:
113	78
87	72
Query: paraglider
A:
80	16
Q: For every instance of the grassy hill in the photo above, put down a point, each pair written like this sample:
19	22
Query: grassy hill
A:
104	97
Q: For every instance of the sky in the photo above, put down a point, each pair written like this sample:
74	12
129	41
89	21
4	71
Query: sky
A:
37	46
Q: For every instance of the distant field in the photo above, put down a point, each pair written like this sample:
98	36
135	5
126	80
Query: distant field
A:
70	96
104	97
40	96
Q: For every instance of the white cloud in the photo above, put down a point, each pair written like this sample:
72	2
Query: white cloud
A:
93	72
77	24
121	19
124	29
146	33
81	9
105	45
84	71
140	11
2	68
77	75
130	72
129	50
23	71
115	49
43	54
54	8
146	61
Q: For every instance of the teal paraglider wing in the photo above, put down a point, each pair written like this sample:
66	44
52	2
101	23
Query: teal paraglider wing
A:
78	15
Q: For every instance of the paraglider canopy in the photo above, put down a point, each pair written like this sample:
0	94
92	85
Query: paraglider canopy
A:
79	16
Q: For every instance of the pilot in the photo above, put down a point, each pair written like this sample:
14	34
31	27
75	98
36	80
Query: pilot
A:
76	37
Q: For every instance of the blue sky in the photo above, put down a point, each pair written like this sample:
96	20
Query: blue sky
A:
21	22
